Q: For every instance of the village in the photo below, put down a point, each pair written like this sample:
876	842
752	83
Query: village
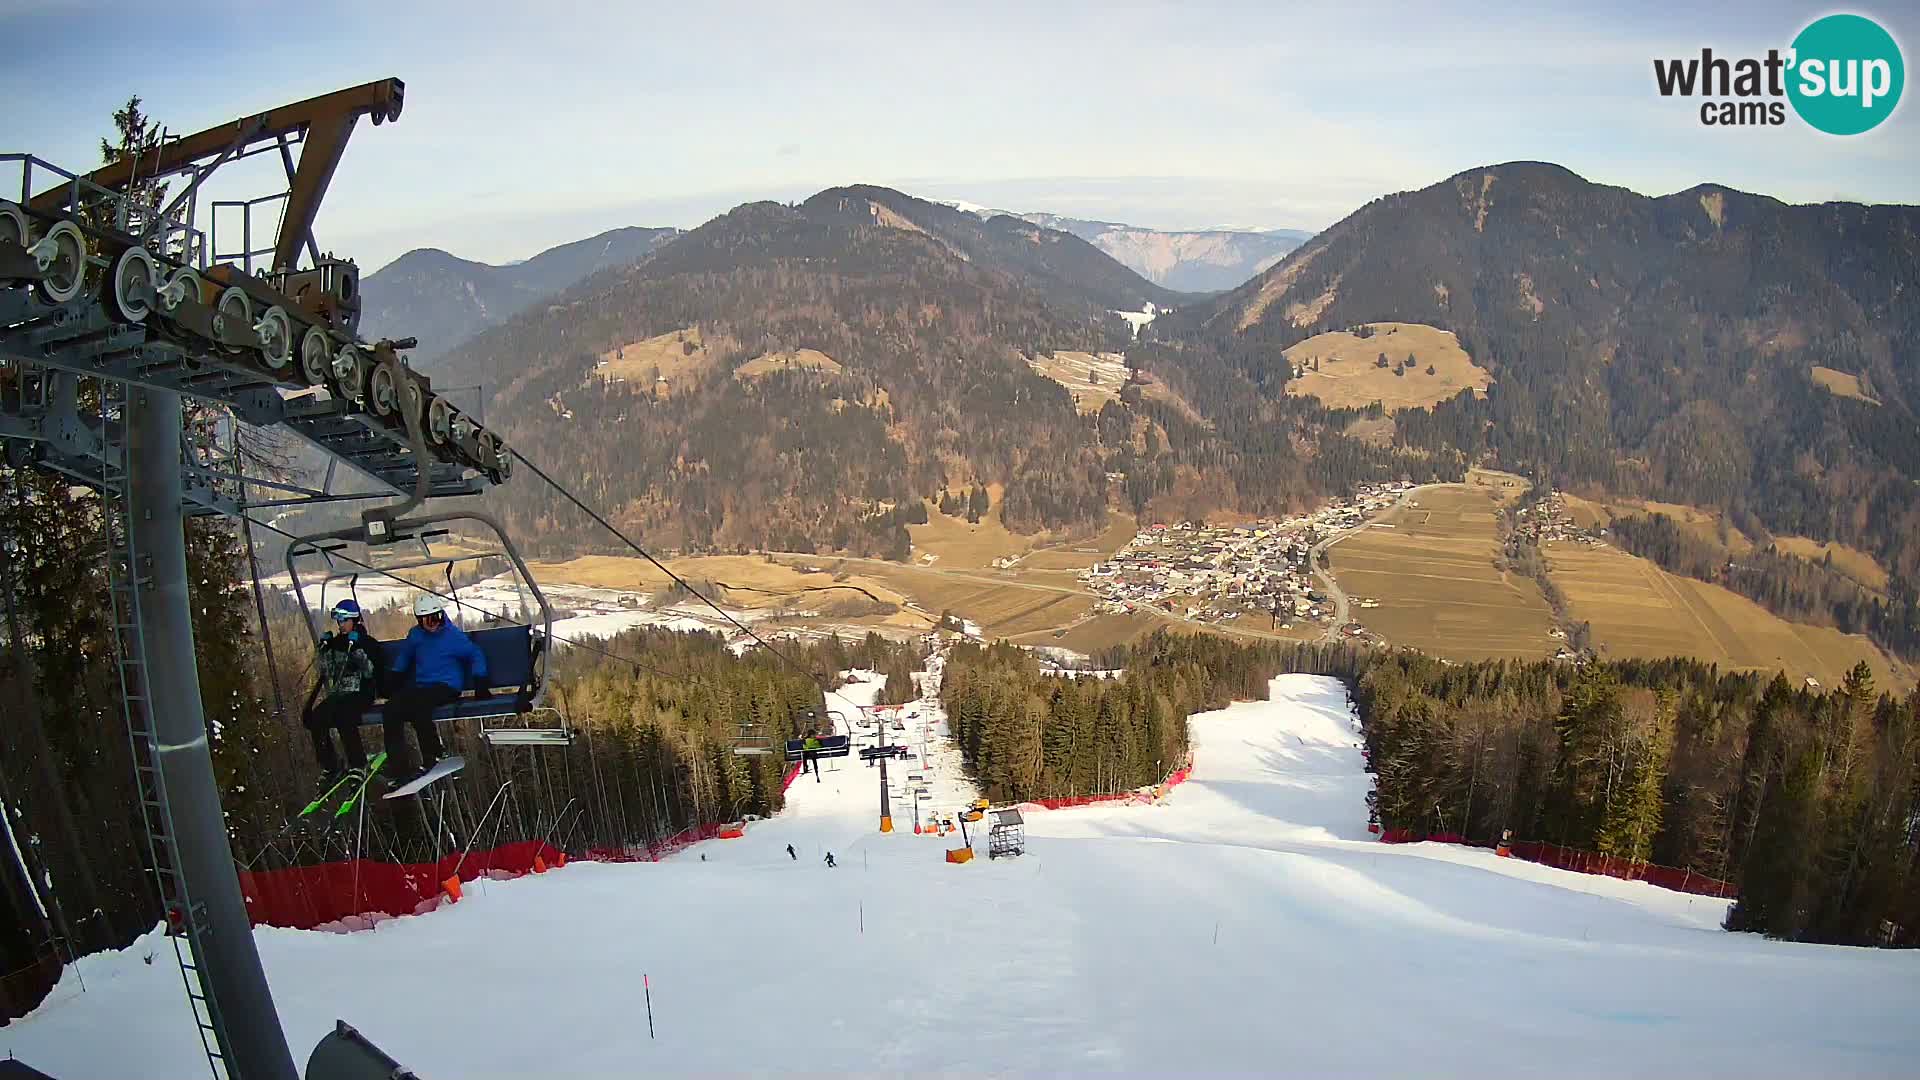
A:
1220	573
1548	519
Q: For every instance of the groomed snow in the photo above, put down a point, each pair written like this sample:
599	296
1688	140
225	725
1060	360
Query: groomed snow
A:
1245	925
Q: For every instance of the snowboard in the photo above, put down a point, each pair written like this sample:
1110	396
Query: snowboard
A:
445	767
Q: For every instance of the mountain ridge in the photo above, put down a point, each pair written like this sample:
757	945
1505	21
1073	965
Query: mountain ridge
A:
1187	260
443	299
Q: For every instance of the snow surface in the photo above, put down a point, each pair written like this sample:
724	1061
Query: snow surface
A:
1138	319
1246	924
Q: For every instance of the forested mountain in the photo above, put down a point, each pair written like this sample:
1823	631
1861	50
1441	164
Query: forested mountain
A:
798	377
1660	347
443	300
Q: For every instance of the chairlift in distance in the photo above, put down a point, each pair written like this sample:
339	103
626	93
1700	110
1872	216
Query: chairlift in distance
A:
516	714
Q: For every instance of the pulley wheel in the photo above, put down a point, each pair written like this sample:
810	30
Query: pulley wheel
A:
439	420
62	255
276	337
382	395
134	276
487	450
350	373
411	397
13	224
235	310
316	356
182	285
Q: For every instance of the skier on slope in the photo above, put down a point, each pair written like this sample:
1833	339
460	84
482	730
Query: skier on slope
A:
443	661
791	854
351	666
830	863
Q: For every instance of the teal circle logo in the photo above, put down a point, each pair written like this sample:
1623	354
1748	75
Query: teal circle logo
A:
1846	76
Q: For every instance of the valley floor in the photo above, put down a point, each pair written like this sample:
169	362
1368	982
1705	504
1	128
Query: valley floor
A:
1246	924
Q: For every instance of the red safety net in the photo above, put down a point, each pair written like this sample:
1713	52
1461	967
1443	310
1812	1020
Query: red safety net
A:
353	894
1587	862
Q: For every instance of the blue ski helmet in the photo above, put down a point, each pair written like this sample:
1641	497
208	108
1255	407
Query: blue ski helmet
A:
346	609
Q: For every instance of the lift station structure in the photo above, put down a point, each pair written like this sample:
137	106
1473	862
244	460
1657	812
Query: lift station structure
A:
114	308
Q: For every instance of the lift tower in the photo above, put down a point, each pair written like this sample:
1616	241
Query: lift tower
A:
113	309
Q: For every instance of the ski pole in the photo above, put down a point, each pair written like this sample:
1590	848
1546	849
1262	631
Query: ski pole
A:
647	984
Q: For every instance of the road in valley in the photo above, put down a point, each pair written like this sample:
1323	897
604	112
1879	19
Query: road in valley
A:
1342	609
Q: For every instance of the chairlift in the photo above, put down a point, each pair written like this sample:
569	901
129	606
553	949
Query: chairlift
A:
516	713
753	740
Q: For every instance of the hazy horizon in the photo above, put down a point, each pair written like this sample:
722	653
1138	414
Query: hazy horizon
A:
525	129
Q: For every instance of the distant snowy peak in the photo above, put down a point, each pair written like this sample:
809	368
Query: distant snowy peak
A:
965	207
1193	260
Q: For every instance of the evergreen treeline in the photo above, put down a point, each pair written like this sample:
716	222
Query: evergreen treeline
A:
1026	735
1808	802
1786	585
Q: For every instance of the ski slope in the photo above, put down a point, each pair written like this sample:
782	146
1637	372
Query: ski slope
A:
1246	924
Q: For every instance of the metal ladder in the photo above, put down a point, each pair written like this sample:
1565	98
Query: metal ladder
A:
185	918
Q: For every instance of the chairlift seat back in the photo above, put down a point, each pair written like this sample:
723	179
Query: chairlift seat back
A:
511	656
830	746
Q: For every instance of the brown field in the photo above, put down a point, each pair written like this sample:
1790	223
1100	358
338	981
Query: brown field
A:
662	356
1505	486
1349	378
961	545
1078	554
1841	384
1374	431
1092	378
1434	576
1703	523
743	581
1002	610
787	361
1850	561
1096	633
1638	610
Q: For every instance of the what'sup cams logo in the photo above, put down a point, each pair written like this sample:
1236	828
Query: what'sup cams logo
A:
1843	75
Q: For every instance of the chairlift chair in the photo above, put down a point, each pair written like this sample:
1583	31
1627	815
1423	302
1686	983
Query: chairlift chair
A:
516	714
753	740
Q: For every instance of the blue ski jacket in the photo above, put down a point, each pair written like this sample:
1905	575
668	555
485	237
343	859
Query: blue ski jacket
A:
447	658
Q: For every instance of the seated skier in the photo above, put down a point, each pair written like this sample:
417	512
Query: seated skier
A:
351	665
443	662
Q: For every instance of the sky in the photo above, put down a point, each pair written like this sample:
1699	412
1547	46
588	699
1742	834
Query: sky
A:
532	124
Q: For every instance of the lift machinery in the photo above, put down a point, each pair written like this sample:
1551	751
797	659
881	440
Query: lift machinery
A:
115	304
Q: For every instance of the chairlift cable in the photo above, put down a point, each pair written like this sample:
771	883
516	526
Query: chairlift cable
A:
677	677
682	582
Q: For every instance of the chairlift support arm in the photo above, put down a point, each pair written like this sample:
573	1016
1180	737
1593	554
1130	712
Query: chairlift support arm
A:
323	125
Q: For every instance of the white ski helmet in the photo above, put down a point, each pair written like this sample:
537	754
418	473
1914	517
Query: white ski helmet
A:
429	604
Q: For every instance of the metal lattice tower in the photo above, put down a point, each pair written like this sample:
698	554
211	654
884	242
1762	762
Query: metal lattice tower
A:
99	289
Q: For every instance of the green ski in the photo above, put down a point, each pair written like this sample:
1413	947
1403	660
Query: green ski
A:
327	795
354	799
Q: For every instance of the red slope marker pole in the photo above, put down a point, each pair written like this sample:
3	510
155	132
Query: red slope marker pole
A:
647	984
